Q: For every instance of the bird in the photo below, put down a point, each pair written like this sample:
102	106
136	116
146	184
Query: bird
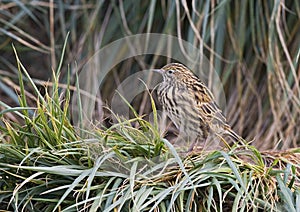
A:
191	106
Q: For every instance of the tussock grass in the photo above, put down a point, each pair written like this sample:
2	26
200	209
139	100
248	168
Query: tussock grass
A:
46	165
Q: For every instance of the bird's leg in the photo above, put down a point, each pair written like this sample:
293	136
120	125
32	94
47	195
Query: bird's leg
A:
193	144
196	143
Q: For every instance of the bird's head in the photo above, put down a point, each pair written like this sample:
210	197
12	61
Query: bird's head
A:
175	72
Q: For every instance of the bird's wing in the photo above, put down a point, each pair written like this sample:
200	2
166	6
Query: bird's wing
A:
206	104
209	110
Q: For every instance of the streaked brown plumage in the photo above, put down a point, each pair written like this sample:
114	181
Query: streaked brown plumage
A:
190	104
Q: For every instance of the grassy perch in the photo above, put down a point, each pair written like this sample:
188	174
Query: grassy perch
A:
48	164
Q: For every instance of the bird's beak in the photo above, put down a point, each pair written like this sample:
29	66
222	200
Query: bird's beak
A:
158	70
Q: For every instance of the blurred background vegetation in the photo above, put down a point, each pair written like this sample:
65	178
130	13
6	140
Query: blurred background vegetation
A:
254	46
46	164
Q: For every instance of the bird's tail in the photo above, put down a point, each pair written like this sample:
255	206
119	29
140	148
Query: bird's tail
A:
237	138
234	138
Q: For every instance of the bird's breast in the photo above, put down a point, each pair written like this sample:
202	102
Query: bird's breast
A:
180	107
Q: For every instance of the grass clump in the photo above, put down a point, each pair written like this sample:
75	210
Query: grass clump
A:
47	165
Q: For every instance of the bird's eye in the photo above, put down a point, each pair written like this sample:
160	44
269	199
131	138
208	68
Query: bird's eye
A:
170	71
